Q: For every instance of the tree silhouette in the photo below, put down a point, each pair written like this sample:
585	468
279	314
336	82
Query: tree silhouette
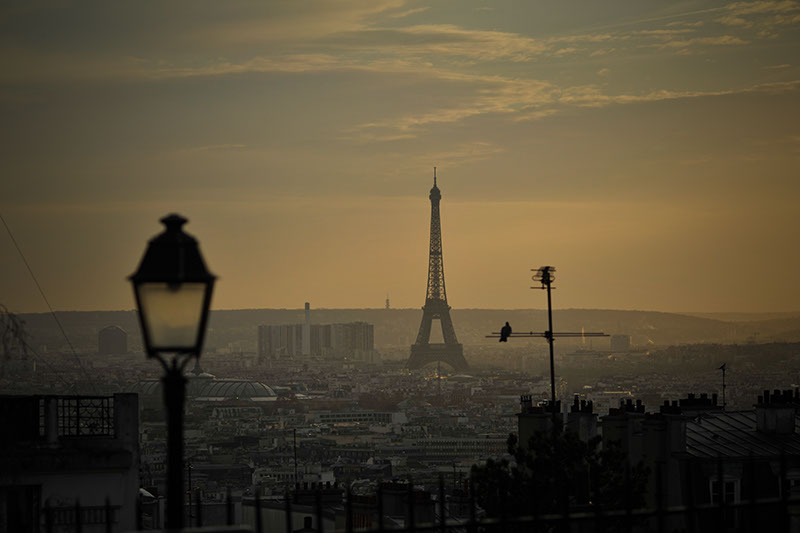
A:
558	472
12	336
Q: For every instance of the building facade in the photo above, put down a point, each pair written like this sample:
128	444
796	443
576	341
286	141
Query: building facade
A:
355	339
69	454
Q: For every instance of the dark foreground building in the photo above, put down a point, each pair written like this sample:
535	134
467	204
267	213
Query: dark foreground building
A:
59	454
716	470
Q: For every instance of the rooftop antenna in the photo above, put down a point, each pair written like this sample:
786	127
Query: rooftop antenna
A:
724	367
545	276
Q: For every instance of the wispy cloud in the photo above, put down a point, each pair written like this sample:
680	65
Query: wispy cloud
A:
534	100
766	16
763	7
721	40
408	12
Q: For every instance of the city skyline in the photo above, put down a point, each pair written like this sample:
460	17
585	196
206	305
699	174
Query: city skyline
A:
649	151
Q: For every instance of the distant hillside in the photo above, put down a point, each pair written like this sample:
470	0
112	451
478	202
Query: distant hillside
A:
398	327
747	317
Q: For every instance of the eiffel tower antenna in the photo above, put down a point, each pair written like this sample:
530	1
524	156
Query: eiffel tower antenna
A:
423	351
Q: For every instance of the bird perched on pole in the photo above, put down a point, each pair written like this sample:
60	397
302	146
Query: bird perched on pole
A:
505	332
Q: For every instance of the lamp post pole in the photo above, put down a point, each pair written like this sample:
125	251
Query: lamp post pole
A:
173	289
174	399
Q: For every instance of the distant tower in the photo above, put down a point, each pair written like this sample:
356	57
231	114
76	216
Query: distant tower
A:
112	340
387	301
307	331
422	351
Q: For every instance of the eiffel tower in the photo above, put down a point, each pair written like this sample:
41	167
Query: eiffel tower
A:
436	308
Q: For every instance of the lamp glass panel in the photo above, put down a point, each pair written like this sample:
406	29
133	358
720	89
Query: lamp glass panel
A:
172	313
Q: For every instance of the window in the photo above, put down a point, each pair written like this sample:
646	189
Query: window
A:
730	491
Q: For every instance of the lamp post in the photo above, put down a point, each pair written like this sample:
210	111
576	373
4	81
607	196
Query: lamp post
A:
173	289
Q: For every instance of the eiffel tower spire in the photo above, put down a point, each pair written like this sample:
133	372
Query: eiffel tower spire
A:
436	308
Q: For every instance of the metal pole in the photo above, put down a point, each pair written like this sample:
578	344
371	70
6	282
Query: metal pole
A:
723	387
174	385
550	340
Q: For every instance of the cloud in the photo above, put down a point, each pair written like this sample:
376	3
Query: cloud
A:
695	24
408	12
533	100
721	40
765	15
442	41
763	7
731	20
528	116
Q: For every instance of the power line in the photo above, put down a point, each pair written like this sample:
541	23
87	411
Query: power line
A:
30	349
46	301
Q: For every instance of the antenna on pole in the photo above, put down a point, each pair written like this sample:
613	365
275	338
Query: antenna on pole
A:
724	367
546	276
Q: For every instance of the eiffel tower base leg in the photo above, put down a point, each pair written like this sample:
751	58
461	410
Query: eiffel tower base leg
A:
423	354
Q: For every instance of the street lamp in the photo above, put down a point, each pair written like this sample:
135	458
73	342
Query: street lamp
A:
173	289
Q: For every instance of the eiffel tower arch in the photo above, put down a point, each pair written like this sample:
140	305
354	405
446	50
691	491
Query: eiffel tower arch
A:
423	351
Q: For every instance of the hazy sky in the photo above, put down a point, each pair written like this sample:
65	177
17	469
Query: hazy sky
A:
650	150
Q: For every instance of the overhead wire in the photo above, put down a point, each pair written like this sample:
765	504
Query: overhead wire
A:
47	302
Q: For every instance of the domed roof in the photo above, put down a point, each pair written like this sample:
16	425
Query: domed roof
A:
234	389
147	387
213	389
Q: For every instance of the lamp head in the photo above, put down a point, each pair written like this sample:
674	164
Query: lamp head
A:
173	290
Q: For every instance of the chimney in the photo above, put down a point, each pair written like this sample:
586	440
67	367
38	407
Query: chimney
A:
624	425
775	413
693	405
307	331
582	420
535	419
